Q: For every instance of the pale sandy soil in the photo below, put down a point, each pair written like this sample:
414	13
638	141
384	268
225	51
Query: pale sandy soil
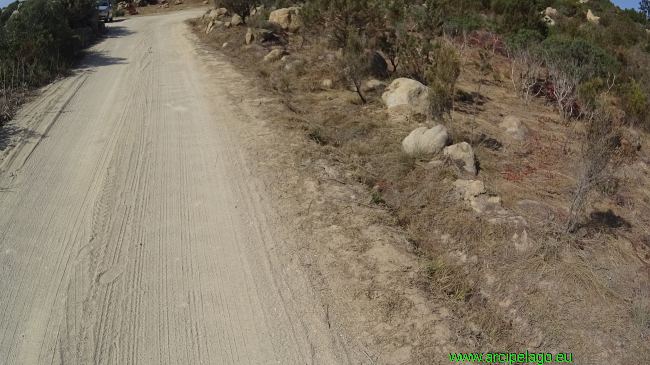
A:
135	227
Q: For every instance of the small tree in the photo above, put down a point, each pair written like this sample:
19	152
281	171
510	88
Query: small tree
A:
644	6
597	149
526	63
242	8
635	103
525	72
386	42
570	62
441	75
413	53
342	15
355	65
565	78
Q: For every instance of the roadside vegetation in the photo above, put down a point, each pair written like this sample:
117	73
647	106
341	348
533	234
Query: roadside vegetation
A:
39	41
515	157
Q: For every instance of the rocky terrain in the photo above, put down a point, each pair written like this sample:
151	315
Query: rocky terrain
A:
479	201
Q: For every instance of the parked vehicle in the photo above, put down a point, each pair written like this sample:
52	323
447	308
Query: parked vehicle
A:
105	10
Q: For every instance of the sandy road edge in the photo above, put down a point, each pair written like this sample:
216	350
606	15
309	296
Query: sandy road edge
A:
363	269
36	118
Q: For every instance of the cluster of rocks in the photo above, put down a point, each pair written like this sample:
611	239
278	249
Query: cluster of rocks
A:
220	18
285	19
550	15
412	97
401	96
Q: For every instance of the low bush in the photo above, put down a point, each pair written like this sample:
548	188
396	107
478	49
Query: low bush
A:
570	63
635	103
355	63
341	15
441	76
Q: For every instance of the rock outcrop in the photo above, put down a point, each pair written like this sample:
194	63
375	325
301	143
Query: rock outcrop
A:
514	128
287	18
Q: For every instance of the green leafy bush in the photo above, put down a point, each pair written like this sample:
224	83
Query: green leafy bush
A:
518	14
635	102
342	15
355	63
441	76
38	42
572	62
577	55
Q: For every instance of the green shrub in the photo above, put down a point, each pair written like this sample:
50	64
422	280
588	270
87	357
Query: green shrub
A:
342	15
589	92
413	53
441	76
355	63
577	55
38	43
460	25
635	103
523	39
571	62
80	13
518	14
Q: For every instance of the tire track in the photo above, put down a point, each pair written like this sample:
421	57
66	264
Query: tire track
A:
135	234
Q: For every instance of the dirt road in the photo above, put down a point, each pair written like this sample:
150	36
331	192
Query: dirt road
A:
131	231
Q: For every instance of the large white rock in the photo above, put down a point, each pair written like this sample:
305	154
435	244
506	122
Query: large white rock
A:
463	154
408	94
592	18
514	127
287	18
551	12
424	141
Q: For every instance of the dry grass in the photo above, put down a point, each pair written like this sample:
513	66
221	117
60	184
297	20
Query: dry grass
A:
585	293
10	101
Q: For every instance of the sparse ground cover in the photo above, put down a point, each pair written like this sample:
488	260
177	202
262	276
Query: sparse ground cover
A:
511	276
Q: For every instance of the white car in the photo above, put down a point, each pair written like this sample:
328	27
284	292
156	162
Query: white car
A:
105	10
